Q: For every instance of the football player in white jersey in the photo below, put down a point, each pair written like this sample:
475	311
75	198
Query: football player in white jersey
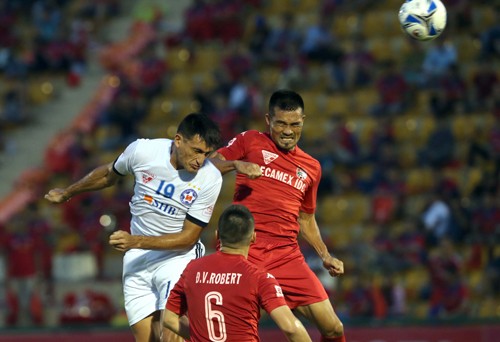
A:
175	190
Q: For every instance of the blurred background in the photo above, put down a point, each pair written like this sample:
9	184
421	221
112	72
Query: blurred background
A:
407	133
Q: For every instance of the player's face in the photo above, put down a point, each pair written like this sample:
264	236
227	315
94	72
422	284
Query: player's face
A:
285	127
190	154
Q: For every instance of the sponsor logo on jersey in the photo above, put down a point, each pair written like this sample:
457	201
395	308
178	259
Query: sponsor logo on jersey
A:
231	142
147	177
301	174
284	177
188	196
165	207
208	211
269	157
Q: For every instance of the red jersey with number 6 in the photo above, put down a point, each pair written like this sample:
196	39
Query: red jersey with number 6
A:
289	184
223	294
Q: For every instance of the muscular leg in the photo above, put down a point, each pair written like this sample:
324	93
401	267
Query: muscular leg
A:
167	334
147	329
325	319
170	336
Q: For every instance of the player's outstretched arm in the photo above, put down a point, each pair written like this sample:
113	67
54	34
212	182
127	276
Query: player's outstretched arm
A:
310	232
185	239
290	325
179	325
99	178
251	170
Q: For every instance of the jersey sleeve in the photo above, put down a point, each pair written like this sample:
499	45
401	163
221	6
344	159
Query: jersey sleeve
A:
309	203
124	164
201	210
236	147
270	293
177	298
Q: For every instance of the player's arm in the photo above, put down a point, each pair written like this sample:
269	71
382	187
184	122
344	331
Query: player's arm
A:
99	178
310	232
251	170
176	323
290	325
184	239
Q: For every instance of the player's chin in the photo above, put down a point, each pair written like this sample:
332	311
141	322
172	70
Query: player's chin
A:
192	169
287	145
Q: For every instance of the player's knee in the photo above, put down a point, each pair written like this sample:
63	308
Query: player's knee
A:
334	330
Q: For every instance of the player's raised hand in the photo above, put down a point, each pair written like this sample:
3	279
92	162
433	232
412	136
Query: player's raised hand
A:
334	266
57	196
121	241
251	170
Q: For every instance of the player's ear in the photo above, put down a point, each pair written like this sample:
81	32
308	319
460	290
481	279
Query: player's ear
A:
254	237
268	119
217	234
177	139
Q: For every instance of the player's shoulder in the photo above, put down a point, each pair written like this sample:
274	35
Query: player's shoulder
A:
250	134
146	143
310	159
255	270
209	172
202	263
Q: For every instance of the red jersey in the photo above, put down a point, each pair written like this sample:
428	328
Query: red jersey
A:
223	294
289	184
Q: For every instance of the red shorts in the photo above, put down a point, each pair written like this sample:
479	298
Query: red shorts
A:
287	264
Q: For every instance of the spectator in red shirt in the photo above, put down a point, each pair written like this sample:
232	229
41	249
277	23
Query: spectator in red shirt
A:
198	20
238	61
359	64
486	218
392	89
484	81
448	291
19	246
227	19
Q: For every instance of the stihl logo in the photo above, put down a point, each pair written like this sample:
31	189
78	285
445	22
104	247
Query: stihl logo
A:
268	156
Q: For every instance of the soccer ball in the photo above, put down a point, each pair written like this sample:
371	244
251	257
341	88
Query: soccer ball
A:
423	19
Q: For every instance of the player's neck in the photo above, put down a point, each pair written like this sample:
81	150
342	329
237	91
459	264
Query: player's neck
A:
233	250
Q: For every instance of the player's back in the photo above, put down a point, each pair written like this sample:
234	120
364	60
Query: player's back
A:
224	293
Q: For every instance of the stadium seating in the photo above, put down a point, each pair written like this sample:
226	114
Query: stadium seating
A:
350	209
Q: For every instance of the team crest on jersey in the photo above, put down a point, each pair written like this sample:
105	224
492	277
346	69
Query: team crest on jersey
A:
188	196
269	157
147	177
301	174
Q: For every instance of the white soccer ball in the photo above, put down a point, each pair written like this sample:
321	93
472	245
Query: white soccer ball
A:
423	19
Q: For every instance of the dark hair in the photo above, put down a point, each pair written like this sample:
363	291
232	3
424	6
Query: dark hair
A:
200	124
236	225
285	100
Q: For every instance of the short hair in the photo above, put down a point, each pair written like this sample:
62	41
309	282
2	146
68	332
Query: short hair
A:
236	225
200	124
285	100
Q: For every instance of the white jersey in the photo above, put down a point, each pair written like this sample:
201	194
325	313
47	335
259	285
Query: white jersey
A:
164	196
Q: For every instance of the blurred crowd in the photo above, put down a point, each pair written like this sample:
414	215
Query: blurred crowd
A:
407	133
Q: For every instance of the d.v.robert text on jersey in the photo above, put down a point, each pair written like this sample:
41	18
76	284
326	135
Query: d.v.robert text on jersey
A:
218	278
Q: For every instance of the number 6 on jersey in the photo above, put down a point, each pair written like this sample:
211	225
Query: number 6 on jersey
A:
215	315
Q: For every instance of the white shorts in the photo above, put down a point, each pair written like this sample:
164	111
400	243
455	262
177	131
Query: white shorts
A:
149	276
